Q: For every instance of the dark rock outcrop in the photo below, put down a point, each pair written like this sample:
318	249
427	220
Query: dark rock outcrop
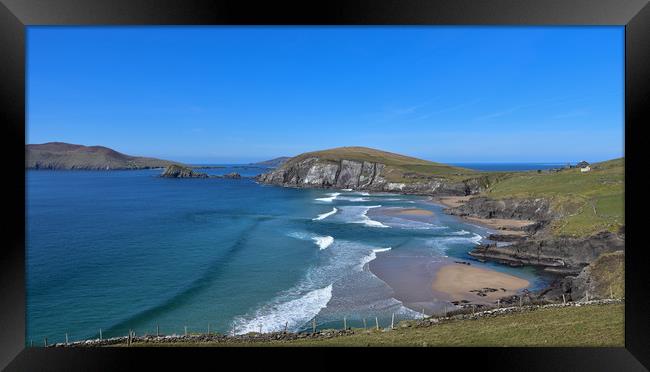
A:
234	176
520	209
177	171
559	254
313	172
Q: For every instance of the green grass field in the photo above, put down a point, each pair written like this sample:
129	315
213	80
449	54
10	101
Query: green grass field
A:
589	202
592	325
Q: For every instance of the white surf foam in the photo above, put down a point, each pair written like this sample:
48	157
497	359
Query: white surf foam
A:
461	232
373	254
325	215
347	190
331	198
291	313
323	241
367	221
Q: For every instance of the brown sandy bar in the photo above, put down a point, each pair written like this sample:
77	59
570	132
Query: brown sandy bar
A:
451	201
504	226
457	280
415	212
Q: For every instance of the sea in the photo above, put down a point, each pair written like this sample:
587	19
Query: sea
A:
128	250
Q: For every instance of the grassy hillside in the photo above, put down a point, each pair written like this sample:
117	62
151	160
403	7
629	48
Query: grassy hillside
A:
592	325
59	155
400	168
590	201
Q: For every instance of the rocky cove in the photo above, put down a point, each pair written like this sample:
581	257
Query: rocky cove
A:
533	244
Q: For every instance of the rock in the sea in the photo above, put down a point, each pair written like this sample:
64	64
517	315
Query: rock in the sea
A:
177	171
234	176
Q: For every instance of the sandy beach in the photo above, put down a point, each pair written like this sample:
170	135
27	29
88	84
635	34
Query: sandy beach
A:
504	226
474	284
452	201
415	212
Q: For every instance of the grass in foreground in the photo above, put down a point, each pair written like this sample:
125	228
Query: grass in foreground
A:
593	325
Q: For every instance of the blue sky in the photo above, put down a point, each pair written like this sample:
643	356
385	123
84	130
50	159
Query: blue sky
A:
241	94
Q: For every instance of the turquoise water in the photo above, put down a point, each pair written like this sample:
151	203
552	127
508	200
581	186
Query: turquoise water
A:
122	250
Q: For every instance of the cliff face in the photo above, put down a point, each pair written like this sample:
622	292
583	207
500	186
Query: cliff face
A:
538	209
363	175
559	254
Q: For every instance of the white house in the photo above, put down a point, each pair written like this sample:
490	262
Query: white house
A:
585	169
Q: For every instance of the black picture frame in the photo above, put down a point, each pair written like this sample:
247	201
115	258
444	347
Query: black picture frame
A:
15	15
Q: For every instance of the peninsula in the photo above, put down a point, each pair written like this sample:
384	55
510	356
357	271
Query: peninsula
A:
60	155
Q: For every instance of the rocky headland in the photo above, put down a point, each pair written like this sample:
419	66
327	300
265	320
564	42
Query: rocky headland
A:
360	168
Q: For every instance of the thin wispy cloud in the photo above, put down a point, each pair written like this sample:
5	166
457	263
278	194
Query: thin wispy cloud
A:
571	114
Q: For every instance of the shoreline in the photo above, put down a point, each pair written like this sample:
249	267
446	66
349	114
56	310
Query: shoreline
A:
501	226
477	285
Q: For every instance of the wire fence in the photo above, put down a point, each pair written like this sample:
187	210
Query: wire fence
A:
315	325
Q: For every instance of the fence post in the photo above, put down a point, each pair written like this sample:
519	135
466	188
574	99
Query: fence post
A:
185	331
520	301
208	329
233	330
563	299
260	329
473	309
611	294
100	334
128	340
499	303
377	323
66	339
157	330
286	325
392	321
45	341
423	313
345	324
31	343
313	325
364	323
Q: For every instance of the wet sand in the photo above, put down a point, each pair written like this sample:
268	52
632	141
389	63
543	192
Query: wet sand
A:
462	282
410	278
415	212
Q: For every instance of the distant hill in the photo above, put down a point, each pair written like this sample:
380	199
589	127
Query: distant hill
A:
274	163
60	155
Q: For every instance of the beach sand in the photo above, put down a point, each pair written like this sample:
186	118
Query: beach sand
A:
415	212
502	225
452	201
457	280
